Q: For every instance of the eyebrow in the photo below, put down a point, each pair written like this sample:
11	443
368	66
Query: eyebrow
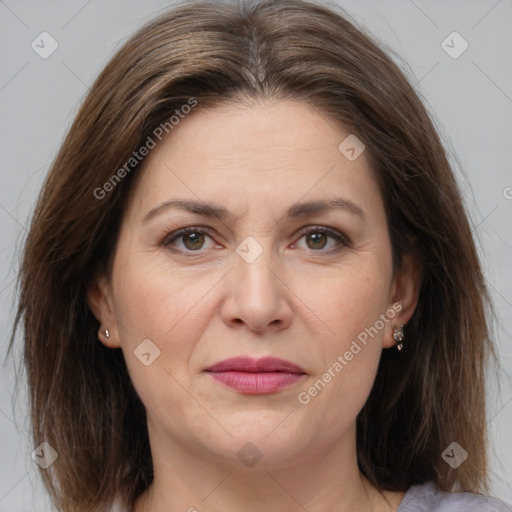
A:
215	211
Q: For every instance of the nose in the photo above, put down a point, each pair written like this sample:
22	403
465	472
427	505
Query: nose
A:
257	297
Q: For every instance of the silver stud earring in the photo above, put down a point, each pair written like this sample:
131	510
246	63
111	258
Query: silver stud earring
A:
398	336
107	334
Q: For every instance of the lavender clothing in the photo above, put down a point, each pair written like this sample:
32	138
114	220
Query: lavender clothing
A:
428	498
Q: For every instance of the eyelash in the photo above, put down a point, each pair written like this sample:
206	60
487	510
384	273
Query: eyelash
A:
342	240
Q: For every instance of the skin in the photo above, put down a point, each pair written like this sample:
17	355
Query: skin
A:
296	301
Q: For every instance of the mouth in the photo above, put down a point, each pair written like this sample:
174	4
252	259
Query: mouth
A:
256	376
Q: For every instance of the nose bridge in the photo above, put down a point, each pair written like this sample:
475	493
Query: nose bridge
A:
257	297
253	276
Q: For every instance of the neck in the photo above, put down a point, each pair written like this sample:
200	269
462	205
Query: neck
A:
326	479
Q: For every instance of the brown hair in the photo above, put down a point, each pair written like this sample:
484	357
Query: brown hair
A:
82	400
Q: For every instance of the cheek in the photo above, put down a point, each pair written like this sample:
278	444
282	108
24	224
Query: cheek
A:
151	297
348	301
350	304
171	310
168	308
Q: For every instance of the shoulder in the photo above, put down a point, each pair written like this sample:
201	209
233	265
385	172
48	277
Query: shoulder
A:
428	498
117	505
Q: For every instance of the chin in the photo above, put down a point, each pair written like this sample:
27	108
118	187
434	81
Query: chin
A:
265	437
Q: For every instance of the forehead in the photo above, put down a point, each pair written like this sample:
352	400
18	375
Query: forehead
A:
252	155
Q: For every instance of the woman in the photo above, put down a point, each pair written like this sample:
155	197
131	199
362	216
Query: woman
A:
250	282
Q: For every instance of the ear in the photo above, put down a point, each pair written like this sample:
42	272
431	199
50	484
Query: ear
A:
403	297
99	300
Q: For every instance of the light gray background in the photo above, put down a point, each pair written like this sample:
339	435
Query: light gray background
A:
471	98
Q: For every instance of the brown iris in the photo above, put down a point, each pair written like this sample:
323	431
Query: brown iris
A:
318	239
193	241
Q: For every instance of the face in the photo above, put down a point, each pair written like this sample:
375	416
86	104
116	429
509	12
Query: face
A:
286	255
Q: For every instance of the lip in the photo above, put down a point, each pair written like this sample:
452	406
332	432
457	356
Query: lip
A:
251	365
256	376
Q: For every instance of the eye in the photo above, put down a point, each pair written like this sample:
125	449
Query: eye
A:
317	239
189	239
194	239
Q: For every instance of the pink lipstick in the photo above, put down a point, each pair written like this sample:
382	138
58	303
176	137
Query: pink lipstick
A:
256	376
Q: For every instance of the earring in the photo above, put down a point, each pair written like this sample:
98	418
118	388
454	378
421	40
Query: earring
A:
398	336
107	334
